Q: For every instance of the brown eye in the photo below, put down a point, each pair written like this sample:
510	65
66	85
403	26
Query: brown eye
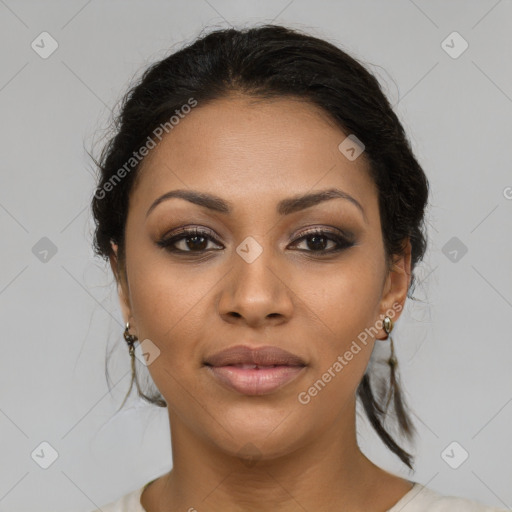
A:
190	240
196	241
317	240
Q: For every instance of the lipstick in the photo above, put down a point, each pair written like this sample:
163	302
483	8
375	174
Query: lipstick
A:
254	371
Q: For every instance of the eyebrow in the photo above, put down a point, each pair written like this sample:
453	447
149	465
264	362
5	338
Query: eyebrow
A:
284	207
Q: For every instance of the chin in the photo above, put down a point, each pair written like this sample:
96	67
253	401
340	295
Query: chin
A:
262	433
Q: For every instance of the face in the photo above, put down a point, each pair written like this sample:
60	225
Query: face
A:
256	267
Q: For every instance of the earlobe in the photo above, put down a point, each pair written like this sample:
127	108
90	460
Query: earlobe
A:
397	286
125	306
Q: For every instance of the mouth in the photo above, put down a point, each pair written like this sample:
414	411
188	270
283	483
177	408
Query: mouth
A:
254	371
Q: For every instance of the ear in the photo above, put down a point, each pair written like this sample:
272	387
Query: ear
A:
122	288
396	286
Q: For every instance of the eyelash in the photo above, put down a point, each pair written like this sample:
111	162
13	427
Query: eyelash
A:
341	241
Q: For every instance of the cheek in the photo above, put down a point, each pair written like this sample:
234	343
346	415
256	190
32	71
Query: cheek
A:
346	299
168	309
164	313
164	297
343	350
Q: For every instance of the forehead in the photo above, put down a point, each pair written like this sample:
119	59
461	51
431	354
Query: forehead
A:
244	148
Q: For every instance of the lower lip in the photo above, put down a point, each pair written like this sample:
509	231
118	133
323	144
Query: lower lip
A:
255	381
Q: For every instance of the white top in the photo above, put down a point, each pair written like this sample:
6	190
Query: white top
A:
418	499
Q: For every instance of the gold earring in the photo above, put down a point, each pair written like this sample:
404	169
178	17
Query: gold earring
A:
130	339
388	327
388	324
392	361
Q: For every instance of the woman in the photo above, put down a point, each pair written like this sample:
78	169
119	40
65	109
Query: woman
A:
263	213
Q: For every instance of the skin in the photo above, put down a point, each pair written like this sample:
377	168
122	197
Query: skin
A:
254	154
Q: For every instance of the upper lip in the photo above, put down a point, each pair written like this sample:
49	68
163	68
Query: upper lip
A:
261	356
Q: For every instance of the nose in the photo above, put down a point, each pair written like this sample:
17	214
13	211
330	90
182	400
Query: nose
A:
256	292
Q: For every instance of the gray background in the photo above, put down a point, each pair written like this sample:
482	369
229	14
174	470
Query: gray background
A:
60	314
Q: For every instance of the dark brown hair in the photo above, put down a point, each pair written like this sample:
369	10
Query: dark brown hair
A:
272	61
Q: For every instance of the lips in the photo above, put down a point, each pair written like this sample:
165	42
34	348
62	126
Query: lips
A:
263	356
254	371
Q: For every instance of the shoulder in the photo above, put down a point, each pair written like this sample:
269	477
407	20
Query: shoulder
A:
130	502
424	499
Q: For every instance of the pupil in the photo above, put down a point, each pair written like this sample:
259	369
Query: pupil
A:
317	246
194	240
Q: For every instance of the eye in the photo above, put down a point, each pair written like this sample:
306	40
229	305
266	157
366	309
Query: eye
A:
190	240
194	240
319	238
